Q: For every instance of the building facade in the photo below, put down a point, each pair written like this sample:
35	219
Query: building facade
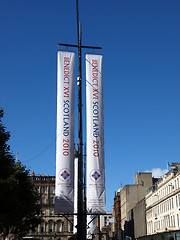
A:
130	195
163	203
127	205
117	213
53	226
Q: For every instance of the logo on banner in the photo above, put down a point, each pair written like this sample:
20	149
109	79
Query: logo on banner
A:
64	174
95	175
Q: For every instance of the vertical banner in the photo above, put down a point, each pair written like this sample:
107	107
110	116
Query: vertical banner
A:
95	135
91	223
64	191
75	194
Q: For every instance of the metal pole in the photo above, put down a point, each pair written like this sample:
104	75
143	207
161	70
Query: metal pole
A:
80	218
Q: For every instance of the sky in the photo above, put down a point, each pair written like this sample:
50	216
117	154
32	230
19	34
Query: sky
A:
140	42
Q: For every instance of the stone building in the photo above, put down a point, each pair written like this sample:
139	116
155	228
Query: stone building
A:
52	226
131	194
117	212
126	200
104	227
139	219
163	203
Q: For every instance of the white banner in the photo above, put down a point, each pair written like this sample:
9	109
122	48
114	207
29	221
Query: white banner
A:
75	194
91	226
64	200
95	135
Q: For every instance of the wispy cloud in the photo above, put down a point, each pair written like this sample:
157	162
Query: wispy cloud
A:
157	172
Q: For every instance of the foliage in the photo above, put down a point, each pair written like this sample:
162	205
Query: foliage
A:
19	211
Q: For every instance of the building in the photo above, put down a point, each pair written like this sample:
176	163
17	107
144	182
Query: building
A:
104	226
139	219
130	195
163	203
126	200
52	226
117	212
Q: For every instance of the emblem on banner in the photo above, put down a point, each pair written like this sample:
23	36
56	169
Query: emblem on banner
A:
64	174
95	175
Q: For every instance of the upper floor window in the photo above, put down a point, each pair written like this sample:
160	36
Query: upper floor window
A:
176	200
172	203
43	200
51	200
52	189
105	221
43	189
177	182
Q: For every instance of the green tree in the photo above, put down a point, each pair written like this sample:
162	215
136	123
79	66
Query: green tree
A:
19	211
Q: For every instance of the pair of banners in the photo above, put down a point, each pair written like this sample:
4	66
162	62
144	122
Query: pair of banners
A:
66	184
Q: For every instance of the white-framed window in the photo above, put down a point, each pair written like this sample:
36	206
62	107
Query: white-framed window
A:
177	182
172	203
176	200
178	220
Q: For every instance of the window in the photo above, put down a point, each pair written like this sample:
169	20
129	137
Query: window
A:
52	189
178	220
43	200
59	227
51	212
176	201
51	200
70	227
43	189
42	227
105	221
35	189
50	227
172	203
43	212
178	183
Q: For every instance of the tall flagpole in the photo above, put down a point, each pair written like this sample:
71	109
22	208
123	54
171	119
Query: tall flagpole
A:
81	211
81	229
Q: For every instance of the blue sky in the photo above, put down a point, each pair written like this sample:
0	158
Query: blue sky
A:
141	74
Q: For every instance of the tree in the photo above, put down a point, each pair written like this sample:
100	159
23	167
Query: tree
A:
19	211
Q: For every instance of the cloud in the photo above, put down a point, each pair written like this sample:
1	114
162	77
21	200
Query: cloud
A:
157	172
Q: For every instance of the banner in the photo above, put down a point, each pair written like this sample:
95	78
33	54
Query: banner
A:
91	223
75	194
95	135
64	191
